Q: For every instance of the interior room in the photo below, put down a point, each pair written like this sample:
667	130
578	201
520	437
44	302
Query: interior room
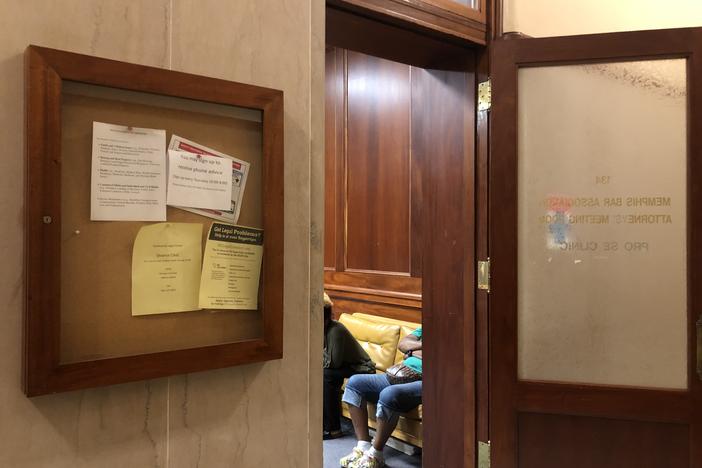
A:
507	186
384	102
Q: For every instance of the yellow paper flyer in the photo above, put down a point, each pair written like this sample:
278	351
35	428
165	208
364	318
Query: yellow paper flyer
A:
231	267
166	268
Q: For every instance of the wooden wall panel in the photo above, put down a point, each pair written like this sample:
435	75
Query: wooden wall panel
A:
400	286
333	148
408	308
416	184
373	200
378	165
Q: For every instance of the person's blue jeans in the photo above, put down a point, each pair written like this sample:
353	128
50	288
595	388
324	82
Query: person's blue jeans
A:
390	399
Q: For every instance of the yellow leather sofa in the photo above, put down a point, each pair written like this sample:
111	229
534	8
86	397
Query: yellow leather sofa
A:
379	336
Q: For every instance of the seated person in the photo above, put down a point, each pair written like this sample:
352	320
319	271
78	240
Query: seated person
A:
391	400
343	357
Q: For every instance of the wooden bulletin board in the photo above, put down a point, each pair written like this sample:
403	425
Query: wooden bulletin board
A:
79	331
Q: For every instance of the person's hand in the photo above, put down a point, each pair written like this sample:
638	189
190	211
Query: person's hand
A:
417	353
409	343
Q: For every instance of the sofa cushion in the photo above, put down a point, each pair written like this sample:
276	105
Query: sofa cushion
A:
378	339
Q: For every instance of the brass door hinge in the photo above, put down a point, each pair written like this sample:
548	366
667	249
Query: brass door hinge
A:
484	275
484	454
484	96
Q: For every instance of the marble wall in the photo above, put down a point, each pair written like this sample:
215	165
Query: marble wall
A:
260	415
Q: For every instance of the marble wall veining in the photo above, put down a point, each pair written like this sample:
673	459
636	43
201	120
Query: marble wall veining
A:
261	415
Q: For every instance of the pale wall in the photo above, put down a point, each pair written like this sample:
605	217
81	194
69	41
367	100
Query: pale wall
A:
541	18
253	416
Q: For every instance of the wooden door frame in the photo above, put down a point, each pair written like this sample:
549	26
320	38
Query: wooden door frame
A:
510	396
471	400
482	219
453	23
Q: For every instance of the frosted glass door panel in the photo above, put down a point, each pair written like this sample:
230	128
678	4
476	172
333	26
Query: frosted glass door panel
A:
602	295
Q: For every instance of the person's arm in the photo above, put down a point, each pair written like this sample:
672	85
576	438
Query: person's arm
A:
334	352
410	343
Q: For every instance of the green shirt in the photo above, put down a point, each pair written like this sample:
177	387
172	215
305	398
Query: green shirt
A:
342	350
413	362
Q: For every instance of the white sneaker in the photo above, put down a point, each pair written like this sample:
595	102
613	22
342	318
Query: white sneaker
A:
348	460
368	461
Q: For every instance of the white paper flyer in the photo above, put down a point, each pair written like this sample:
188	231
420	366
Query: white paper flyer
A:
240	173
128	174
198	181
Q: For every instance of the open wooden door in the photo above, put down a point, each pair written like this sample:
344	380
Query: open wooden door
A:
596	251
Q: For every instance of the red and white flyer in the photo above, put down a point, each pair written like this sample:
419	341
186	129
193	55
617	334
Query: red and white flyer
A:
240	173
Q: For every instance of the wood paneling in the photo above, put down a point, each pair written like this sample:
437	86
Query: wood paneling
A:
400	286
350	301
445	104
373	187
377	170
373	190
373	200
417	174
333	147
555	441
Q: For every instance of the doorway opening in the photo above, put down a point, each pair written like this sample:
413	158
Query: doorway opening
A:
399	225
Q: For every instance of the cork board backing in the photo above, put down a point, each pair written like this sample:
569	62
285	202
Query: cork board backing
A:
96	320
